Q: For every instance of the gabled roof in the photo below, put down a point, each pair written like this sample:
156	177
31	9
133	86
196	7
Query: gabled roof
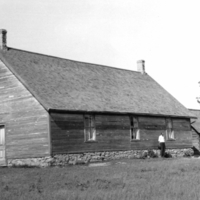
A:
196	122
63	84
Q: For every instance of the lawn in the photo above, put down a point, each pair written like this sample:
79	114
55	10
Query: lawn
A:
152	179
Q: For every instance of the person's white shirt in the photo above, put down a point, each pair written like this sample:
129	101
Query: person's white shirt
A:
161	138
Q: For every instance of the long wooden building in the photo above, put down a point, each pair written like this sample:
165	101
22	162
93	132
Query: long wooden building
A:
50	105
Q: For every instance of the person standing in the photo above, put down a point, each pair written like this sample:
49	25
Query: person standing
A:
161	141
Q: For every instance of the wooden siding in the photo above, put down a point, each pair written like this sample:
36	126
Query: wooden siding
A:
195	139
25	120
152	123
67	133
196	129
112	133
181	124
196	122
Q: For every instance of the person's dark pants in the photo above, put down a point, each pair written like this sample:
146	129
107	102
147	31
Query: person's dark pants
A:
162	149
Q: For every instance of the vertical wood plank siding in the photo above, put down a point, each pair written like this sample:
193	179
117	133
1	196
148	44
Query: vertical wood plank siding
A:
25	120
195	139
112	133
196	129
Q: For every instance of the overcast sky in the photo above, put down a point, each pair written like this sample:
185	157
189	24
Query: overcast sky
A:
117	33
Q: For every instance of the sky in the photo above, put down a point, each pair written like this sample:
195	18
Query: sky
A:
116	33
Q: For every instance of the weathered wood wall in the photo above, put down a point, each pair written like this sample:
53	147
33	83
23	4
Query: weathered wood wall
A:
183	134
196	128
25	120
67	133
113	133
195	139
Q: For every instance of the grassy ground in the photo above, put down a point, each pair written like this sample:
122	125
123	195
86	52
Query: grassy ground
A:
152	179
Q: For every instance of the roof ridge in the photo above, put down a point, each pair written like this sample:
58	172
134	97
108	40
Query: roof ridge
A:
51	56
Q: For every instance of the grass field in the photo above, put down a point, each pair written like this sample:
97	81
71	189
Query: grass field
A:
152	179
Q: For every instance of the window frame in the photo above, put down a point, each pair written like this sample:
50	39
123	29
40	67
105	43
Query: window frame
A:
134	129
89	128
170	133
3	142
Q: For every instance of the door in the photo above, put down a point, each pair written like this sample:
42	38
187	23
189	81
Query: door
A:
2	146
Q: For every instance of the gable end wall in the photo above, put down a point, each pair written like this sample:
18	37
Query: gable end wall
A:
26	121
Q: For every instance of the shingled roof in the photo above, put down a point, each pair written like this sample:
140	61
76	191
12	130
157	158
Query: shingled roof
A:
68	85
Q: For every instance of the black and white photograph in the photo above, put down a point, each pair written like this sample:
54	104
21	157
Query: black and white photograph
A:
99	100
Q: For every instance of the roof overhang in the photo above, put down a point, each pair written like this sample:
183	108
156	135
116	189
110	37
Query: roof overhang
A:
117	113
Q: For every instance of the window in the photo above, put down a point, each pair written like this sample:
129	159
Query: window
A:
135	131
2	142
2	135
170	132
90	131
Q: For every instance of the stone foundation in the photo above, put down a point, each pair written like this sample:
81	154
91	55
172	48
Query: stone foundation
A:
85	158
30	162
